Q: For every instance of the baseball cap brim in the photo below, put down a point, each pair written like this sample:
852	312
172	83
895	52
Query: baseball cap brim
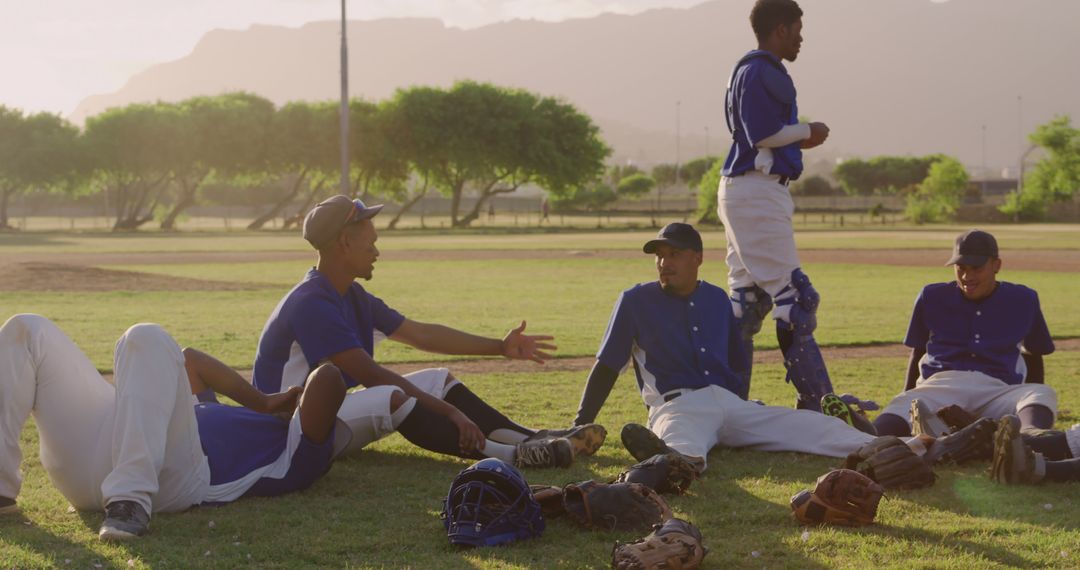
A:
365	213
972	260
651	245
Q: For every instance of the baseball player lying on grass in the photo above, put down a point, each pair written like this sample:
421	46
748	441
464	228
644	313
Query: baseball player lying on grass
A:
145	446
683	341
329	318
976	345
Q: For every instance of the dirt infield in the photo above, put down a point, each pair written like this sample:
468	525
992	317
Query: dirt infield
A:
54	277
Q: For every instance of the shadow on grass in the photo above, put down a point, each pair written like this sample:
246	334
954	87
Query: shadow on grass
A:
22	539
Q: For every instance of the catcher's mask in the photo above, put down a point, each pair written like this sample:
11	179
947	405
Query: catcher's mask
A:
489	504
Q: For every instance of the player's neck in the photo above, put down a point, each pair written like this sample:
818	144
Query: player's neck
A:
339	278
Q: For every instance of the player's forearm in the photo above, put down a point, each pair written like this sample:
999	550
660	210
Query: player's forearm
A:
913	371
788	134
359	365
597	388
1036	372
442	339
205	371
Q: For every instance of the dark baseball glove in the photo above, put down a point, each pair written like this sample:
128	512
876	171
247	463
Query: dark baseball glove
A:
973	442
674	545
842	497
616	506
550	499
663	473
891	463
956	417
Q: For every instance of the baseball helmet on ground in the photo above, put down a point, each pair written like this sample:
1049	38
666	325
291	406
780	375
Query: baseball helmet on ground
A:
490	503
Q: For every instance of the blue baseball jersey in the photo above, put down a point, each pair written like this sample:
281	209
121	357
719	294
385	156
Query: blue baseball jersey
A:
254	454
984	336
760	100
314	322
674	342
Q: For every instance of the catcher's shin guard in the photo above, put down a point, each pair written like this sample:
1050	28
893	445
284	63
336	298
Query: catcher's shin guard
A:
750	305
802	356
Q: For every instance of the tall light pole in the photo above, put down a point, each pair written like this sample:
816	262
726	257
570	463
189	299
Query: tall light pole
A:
344	107
983	189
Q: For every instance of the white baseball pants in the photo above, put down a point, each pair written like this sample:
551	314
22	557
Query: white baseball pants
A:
137	442
699	420
976	392
757	211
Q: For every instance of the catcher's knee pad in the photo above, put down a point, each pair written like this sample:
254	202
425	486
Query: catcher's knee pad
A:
803	299
750	305
806	370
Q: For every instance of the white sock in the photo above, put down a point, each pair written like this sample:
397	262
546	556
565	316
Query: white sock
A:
917	446
503	435
500	451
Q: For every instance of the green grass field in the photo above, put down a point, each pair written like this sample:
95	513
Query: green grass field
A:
380	509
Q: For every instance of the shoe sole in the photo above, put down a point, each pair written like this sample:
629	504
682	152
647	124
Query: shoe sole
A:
587	439
642	443
923	421
833	406
9	509
115	534
1008	447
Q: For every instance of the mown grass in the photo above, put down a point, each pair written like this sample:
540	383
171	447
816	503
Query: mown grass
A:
570	298
808	236
380	509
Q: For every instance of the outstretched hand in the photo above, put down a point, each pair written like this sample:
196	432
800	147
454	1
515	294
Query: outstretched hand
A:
519	346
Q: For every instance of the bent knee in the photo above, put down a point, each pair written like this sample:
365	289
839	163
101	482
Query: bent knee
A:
327	377
397	399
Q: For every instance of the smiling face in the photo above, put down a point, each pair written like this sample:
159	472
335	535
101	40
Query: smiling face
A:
977	282
677	269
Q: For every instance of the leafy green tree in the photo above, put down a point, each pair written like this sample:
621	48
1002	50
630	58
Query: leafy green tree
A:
304	153
940	194
131	150
590	197
490	140
37	152
635	186
692	172
225	135
813	186
664	174
1054	178
883	174
706	196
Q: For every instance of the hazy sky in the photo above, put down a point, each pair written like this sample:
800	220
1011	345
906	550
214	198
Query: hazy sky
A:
53	53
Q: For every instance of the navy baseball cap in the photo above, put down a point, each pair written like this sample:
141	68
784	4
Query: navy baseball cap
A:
677	235
973	247
329	217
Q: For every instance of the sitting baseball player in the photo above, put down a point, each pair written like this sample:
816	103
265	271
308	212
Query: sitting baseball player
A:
145	445
977	343
685	345
328	317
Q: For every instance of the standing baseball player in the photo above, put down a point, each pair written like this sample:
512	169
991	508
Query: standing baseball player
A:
977	343
145	446
756	208
328	317
682	338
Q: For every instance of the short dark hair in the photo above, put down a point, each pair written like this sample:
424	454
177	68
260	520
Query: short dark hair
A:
768	14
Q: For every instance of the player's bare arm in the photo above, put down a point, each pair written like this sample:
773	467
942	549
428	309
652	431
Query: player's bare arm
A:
205	371
359	365
442	339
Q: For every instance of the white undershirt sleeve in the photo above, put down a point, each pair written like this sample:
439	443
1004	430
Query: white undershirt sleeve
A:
785	136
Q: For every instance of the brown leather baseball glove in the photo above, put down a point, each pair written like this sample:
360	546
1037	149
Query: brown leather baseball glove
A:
616	506
890	462
674	545
842	496
663	473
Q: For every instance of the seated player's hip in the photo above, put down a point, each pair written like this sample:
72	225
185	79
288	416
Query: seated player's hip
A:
976	392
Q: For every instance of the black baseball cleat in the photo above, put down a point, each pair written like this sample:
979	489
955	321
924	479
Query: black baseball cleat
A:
642	443
585	439
124	520
1014	462
550	452
832	405
8	506
976	441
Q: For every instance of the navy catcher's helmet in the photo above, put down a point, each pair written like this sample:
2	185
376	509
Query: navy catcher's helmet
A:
489	504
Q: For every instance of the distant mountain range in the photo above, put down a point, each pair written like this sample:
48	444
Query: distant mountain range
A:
888	76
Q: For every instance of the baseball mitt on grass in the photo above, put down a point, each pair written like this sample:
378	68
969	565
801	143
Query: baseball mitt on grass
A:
616	506
663	473
674	545
550	499
890	462
842	497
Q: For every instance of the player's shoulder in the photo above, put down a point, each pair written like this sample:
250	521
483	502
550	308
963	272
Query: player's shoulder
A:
712	290
641	291
314	288
1015	291
937	291
763	67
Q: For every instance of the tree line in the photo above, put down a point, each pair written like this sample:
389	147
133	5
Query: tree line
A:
148	158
